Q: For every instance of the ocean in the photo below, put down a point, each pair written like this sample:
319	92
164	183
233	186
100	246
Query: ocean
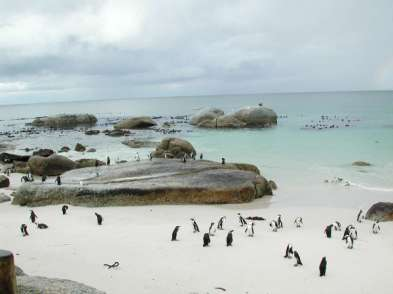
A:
292	153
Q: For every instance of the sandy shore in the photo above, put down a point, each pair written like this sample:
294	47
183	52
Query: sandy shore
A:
74	247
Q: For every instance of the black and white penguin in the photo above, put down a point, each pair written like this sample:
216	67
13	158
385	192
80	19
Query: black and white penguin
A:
58	180
349	241
360	216
201	156
174	233
242	220
350	231
273	225
298	222
376	227
298	260
212	229
328	231
64	209
288	251
221	223
99	218
33	216
206	240
43	178
42	226
250	229
23	230
337	226
195	225
279	222
229	238
184	158
322	267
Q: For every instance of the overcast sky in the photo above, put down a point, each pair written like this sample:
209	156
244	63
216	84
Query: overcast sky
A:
98	49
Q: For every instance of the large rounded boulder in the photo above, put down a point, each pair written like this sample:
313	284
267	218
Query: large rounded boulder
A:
206	115
43	152
141	122
65	121
88	162
174	148
4	181
53	165
256	117
381	211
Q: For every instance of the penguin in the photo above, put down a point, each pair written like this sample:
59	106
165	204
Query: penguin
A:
206	240
43	178
42	226
99	218
350	231
288	251
322	267
273	225
33	216
298	222
242	220
201	156
349	241
328	231
184	158
212	229
108	160
221	223
250	229
360	216
222	160
64	209
23	229
58	180
376	227
229	238
195	225
298	260
174	233
337	226
279	222
346	232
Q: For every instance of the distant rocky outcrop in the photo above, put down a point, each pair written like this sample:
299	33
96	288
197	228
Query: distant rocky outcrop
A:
249	117
361	163
9	158
43	152
140	143
4	181
157	181
92	132
141	122
117	133
381	211
65	121
87	162
50	166
174	148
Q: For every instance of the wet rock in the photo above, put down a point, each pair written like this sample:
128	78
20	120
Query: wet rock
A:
91	150
117	133
65	121
43	152
381	211
361	163
141	122
206	115
140	144
92	132
64	149
88	162
53	165
174	148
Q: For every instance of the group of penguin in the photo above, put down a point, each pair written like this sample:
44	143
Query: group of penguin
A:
33	218
350	234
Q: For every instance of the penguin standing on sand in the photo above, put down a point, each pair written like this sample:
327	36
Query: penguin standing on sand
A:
206	240
288	251
273	225
360	216
174	233
346	231
99	218
328	231
250	229
212	229
349	241
376	227
298	260
33	216
322	267
229	238
221	223
223	161
279	222
337	226
242	220
195	225
201	156
58	180
298	222
64	209
23	229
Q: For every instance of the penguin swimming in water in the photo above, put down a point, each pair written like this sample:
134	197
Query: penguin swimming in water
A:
288	251
64	209
174	233
221	223
33	216
206	240
337	226
242	220
229	238
23	229
195	225
212	229
328	231
349	241
376	227
42	226
99	218
322	267
279	222
360	216
250	229
298	260
273	225
298	222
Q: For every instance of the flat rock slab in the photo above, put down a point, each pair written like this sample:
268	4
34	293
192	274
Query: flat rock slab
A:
158	181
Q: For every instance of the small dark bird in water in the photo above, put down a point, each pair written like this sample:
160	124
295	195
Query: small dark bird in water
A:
23	229
206	240
42	226
229	238
64	209
99	218
174	233
298	260
33	216
322	267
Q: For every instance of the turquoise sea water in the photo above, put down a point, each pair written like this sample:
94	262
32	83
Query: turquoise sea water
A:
288	153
